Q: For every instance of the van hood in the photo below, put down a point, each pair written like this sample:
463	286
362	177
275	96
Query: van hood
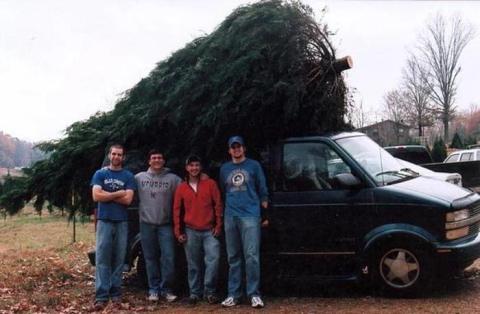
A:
434	188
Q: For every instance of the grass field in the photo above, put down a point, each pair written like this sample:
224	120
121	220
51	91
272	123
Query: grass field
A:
41	270
28	230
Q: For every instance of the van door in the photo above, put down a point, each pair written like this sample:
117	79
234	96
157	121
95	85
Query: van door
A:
317	223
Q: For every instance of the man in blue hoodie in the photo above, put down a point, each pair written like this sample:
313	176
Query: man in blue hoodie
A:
243	182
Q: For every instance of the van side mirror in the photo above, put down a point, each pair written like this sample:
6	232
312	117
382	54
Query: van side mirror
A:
347	180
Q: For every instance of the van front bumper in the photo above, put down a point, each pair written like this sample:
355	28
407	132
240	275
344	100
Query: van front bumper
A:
459	255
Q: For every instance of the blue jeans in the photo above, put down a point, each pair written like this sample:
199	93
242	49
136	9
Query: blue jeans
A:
242	237
111	247
158	244
202	245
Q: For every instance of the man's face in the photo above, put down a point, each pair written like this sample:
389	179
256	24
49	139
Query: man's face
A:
116	156
194	168
156	161
236	150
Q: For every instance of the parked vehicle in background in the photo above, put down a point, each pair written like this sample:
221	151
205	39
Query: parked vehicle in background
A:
453	178
416	154
463	155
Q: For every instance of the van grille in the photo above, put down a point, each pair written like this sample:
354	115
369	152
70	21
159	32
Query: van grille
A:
475	210
473	229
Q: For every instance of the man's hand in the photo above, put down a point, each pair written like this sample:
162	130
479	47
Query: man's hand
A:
126	199
265	222
182	238
216	232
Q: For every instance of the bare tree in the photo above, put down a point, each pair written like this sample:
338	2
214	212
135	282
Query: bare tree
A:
356	114
440	48
396	108
416	86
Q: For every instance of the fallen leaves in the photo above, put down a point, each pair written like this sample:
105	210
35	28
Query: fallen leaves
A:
46	280
62	281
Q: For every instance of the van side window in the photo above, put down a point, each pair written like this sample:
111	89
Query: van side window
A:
310	167
452	158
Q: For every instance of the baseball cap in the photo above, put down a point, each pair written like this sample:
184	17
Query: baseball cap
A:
193	158
235	139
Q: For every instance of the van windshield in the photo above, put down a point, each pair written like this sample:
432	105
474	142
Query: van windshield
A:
382	166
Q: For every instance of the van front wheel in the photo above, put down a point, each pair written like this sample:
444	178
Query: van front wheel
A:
402	269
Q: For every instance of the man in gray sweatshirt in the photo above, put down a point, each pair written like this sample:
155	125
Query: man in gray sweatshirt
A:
156	188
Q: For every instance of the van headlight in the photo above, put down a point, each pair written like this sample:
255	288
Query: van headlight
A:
457	233
457	224
458	215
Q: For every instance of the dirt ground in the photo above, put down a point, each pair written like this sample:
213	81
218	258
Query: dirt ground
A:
50	278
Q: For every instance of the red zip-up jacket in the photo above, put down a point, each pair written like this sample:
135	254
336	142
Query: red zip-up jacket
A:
203	210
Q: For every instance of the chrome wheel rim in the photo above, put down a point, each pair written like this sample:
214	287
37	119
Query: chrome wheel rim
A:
399	268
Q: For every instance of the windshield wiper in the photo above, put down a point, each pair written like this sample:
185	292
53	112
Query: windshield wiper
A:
404	172
410	171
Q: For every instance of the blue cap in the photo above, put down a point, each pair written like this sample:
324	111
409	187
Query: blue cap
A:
236	139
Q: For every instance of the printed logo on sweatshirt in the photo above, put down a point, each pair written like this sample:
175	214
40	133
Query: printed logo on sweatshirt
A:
237	180
160	185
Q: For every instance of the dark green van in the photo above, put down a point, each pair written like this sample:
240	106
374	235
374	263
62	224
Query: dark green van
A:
344	208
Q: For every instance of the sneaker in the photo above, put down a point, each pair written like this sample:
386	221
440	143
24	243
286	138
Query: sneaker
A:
212	299
169	297
99	305
229	302
152	296
257	302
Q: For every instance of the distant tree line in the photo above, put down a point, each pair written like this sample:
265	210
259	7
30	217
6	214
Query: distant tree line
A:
17	153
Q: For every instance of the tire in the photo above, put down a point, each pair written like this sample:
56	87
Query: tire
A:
141	269
402	269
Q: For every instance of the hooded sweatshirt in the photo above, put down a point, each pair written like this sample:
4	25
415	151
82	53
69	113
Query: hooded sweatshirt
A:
202	209
156	191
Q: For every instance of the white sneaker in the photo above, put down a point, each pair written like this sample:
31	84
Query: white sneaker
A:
169	297
229	302
153	296
257	302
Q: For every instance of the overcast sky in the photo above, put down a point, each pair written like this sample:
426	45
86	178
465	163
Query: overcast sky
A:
62	61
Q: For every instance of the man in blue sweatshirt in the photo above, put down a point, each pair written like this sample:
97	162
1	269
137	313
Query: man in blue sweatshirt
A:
245	188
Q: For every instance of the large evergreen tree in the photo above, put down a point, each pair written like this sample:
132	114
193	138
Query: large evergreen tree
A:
267	72
439	151
457	142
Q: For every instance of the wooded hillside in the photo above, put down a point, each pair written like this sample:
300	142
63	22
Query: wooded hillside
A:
17	153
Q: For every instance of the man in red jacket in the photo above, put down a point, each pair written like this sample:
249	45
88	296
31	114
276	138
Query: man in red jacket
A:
198	228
